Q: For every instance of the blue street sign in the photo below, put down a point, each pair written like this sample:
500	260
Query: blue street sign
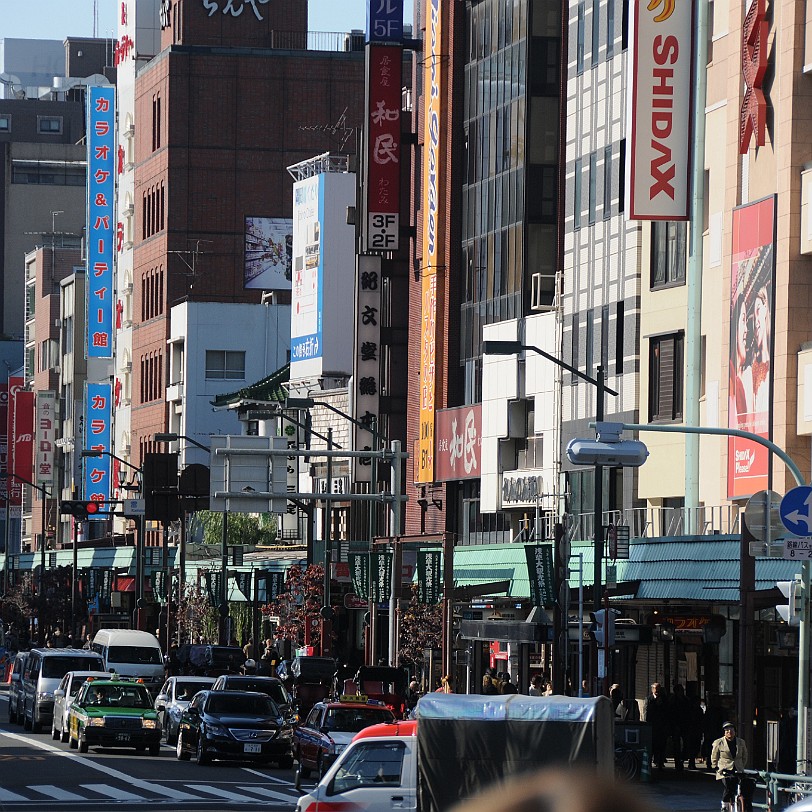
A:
796	510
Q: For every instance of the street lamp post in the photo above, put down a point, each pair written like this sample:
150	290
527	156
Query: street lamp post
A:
45	495
139	545
516	347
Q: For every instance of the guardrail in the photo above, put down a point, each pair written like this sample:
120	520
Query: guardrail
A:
780	789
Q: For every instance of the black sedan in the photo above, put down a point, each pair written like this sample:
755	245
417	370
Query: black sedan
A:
264	685
235	726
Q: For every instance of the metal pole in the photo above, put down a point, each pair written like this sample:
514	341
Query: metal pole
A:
139	571
394	532
580	624
7	542
328	523
167	582
598	512
42	567
693	326
75	584
223	608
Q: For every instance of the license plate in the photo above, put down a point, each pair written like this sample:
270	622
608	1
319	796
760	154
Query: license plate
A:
252	748
122	737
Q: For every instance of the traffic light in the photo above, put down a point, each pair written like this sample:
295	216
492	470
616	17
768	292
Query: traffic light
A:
622	454
603	626
80	510
793	591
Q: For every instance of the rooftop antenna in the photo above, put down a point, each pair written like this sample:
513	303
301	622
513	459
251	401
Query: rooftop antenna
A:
339	132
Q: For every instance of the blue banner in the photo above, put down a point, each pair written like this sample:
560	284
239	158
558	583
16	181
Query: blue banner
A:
384	20
98	423
101	226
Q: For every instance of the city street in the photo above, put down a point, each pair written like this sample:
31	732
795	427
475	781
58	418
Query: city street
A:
39	773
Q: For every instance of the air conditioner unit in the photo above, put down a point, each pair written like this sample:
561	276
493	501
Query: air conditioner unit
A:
538	293
130	131
128	367
128	288
354	41
125	450
129	211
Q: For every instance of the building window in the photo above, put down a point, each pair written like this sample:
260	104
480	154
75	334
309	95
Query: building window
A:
226	365
5	124
577	193
596	30
619	335
49	125
581	35
607	183
624	26
621	178
156	122
593	192
668	250
610	29
666	354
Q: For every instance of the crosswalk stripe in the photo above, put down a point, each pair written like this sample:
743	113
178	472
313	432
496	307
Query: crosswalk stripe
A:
168	792
56	793
269	794
113	792
224	793
5	795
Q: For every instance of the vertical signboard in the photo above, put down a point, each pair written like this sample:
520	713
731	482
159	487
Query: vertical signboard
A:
46	435
382	154
367	359
380	575
4	443
98	419
751	345
384	20
101	227
540	573
659	161
459	439
15	385
433	176
323	263
22	437
359	574
429	576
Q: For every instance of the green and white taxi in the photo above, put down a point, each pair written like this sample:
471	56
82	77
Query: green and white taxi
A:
114	713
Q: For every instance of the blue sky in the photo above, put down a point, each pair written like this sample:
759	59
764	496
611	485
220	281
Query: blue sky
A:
57	19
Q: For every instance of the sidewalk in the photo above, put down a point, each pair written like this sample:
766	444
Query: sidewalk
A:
688	791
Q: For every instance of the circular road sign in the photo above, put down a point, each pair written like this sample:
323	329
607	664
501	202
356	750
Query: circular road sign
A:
762	514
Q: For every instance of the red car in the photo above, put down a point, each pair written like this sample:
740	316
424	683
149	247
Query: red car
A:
329	728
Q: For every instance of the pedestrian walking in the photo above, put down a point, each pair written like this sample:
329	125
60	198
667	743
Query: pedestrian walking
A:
536	686
488	686
657	717
506	686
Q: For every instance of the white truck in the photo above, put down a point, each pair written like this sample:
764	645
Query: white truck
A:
460	744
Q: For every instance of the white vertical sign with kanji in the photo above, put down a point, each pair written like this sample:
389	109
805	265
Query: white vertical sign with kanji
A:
45	434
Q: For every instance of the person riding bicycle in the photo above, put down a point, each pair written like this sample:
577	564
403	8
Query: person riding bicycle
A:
729	758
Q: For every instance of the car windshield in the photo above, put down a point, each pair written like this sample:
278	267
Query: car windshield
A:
148	655
351	720
118	696
242	705
184	691
57	667
274	689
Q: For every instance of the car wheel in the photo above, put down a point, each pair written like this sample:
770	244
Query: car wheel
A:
179	751
64	735
36	726
155	750
26	722
203	758
286	762
303	771
12	715
82	746
171	738
72	743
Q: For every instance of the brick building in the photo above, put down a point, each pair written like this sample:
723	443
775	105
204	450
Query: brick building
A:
222	110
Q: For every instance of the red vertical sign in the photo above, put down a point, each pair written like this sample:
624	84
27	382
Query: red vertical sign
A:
23	434
15	385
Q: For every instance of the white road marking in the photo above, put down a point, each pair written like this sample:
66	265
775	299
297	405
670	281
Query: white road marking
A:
268	794
113	792
224	793
56	793
109	772
5	795
267	777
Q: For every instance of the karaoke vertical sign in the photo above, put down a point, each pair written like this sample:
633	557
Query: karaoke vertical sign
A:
101	151
98	420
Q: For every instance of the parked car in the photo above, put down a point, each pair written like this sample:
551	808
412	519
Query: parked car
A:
64	696
131	653
15	691
329	728
264	685
210	661
173	698
235	725
44	670
114	713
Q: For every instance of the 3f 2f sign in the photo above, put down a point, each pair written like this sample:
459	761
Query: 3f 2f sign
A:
660	108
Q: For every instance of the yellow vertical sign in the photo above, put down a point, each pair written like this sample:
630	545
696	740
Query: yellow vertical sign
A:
430	324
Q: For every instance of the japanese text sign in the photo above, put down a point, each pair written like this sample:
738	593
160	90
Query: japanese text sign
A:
98	419
383	165
458	435
380	566
46	435
540	573
101	226
359	574
428	576
384	20
22	438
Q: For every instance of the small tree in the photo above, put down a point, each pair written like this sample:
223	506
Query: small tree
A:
303	596
196	616
248	529
421	627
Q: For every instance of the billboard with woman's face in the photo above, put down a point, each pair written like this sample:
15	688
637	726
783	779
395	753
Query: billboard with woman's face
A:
751	349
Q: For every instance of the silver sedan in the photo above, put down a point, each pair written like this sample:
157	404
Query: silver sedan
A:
174	698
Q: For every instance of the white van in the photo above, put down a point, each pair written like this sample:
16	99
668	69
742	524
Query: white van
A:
131	653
